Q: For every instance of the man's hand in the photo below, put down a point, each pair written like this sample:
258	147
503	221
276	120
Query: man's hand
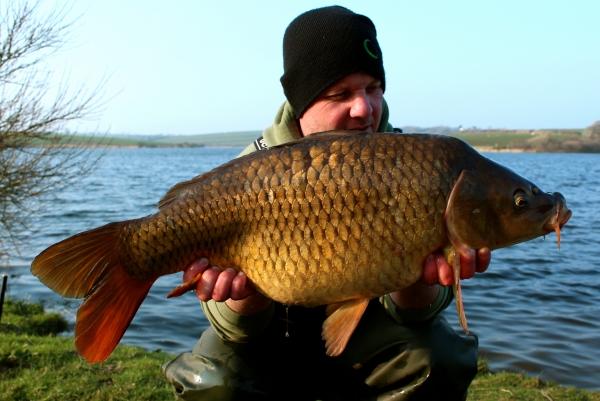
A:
233	288
216	284
436	269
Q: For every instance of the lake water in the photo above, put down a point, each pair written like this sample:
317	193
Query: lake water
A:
536	310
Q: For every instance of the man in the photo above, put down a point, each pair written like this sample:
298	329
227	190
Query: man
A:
258	349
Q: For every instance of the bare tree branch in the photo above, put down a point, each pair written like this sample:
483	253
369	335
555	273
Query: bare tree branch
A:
35	157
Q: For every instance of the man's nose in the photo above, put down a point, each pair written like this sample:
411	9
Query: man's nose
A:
361	106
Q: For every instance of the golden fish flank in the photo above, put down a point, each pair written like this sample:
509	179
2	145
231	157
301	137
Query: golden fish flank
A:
307	234
335	217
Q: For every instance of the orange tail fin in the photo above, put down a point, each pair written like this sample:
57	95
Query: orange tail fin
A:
87	265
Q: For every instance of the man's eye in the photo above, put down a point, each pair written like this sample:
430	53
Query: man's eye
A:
337	95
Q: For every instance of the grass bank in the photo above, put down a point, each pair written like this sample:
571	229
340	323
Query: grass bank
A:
35	364
540	141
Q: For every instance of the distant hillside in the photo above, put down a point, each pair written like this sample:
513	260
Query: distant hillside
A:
438	130
549	140
116	142
498	139
236	139
541	141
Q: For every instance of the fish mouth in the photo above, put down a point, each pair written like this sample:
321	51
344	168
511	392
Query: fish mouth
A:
560	218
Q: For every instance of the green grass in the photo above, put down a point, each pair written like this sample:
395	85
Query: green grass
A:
49	368
490	386
35	364
22	317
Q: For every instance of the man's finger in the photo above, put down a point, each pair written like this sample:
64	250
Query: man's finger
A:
240	288
197	266
467	265
484	257
430	271
445	274
206	285
222	289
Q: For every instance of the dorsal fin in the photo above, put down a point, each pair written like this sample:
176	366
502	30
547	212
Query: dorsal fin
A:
181	190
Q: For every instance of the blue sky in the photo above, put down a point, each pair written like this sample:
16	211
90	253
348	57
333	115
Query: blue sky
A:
193	67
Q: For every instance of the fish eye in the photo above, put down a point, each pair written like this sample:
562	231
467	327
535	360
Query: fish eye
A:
520	199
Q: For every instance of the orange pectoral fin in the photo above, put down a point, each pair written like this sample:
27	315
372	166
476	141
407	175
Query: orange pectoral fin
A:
185	287
341	323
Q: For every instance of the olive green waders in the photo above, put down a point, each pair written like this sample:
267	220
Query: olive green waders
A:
383	361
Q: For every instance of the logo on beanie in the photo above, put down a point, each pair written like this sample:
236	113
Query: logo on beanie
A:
368	46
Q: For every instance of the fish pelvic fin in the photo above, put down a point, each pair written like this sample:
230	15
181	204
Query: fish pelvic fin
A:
87	265
341	323
185	287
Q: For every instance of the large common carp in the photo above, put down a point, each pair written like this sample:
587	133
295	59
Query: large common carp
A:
335	218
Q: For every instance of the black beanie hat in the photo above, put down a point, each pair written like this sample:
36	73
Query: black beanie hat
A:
322	46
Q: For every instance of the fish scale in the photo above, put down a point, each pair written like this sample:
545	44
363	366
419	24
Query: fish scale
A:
336	218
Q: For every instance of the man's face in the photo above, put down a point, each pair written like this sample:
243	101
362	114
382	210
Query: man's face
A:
352	103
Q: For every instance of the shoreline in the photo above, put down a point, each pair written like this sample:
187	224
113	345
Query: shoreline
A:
501	141
480	149
30	347
488	149
492	149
